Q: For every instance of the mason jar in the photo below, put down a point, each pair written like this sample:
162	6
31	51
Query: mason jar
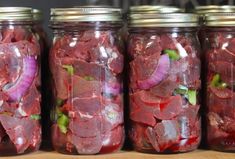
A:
220	77
164	88
86	61
20	98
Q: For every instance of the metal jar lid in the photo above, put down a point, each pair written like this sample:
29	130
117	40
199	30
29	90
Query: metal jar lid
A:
220	19
37	14
86	14
214	9
155	9
163	20
15	14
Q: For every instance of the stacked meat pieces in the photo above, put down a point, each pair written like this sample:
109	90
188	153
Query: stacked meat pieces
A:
88	114
20	129
220	91
164	89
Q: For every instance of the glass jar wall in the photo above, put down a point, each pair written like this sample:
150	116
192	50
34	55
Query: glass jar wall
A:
86	62
220	58
20	129
164	82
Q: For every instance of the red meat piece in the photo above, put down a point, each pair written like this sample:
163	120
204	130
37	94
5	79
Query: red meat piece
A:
231	45
85	126
87	146
186	145
143	67
87	106
112	116
221	54
116	62
136	45
169	108
139	137
153	45
143	116
167	42
21	131
31	102
62	81
167	133
228	125
222	92
82	88
165	88
223	107
225	69
113	141
151	135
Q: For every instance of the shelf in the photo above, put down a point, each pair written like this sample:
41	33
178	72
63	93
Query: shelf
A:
199	154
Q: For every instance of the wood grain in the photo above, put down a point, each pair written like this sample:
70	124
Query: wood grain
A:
199	154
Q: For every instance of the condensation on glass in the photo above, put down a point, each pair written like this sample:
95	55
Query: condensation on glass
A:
86	61
165	82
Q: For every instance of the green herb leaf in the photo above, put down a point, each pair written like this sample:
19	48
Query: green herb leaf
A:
35	117
89	78
63	122
69	69
173	55
192	97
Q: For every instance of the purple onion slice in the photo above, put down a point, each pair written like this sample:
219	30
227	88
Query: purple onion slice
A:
158	75
22	84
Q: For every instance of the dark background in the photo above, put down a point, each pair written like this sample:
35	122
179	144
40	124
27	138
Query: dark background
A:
45	5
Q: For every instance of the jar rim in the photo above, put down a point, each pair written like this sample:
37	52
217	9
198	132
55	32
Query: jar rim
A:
164	20
214	9
155	9
15	14
86	14
220	19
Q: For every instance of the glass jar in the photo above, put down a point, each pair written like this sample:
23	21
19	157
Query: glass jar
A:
20	129
220	59
164	60
86	62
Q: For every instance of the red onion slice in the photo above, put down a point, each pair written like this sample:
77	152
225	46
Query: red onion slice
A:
18	89
158	75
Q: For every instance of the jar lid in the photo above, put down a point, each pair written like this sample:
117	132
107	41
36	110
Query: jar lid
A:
214	9
155	9
37	14
86	14
220	19
15	14
163	20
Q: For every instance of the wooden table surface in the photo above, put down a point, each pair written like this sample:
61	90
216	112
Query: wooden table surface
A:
199	154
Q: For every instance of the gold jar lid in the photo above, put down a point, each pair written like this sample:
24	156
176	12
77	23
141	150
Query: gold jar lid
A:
214	9
37	14
220	19
163	20
15	14
155	9
86	14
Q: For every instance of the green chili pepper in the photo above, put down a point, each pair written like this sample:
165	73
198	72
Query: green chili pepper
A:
69	69
173	55
63	122
192	97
